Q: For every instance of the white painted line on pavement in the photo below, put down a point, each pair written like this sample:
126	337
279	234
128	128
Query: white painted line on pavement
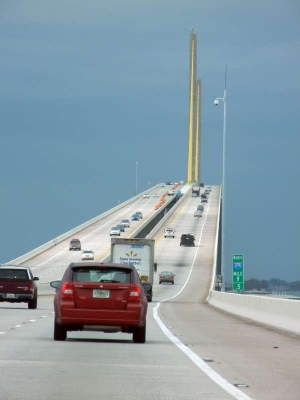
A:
213	375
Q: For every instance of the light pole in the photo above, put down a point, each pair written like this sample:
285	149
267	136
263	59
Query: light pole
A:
216	102
136	177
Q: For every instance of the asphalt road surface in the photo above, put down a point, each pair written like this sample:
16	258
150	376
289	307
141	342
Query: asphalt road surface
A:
193	351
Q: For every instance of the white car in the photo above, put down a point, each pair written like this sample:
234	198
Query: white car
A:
156	195
198	213
171	192
169	232
192	234
115	231
163	185
87	255
146	196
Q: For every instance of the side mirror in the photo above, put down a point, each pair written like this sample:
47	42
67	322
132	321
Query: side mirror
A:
55	284
36	278
155	267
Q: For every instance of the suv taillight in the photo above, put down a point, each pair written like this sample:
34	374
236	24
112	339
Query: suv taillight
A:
134	293
31	286
67	291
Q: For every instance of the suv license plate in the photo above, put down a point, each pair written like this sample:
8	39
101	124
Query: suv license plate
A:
10	296
101	294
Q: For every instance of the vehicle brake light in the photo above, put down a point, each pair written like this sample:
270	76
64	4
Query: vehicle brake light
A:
67	291
134	293
31	287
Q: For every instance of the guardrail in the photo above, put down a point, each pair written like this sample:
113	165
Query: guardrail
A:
33	253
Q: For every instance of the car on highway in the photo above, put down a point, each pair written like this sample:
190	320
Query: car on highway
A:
198	213
18	285
200	207
204	200
156	195
87	255
206	192
149	290
163	185
115	231
120	227
203	196
125	223
166	277
187	240
192	234
171	192
75	244
135	217
140	214
146	196
105	297
169	232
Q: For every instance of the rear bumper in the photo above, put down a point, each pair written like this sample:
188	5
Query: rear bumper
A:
19	298
70	316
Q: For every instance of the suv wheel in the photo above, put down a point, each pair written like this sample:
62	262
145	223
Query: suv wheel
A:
32	304
60	332
139	335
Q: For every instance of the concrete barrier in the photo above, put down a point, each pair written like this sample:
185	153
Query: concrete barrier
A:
73	231
185	192
277	313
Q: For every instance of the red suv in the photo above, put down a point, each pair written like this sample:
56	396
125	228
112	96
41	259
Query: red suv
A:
93	296
17	285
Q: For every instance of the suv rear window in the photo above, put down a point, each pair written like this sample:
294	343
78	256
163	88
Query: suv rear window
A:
9	274
101	275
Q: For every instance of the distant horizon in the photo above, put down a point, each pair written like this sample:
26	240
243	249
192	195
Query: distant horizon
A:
89	89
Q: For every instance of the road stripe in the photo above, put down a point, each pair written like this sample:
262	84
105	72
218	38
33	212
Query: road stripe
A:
198	361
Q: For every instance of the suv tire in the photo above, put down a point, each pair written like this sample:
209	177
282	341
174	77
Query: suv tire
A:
60	332
139	335
32	304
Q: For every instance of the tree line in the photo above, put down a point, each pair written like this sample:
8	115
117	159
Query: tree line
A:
256	284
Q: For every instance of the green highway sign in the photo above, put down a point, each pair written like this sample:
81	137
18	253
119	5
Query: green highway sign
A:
238	272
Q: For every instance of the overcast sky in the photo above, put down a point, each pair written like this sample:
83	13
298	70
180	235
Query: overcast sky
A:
89	88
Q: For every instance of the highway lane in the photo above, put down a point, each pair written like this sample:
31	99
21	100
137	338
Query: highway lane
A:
262	359
114	367
51	264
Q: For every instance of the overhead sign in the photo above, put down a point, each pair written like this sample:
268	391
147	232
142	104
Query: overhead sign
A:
238	272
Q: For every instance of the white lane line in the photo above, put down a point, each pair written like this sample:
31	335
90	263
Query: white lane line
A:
2	333
18	326
201	364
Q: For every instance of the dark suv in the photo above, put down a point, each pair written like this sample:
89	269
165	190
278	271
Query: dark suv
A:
96	296
75	244
149	290
17	285
187	240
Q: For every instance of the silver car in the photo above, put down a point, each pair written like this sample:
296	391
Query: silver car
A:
125	223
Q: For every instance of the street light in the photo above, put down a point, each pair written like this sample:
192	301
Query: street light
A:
136	177
216	102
